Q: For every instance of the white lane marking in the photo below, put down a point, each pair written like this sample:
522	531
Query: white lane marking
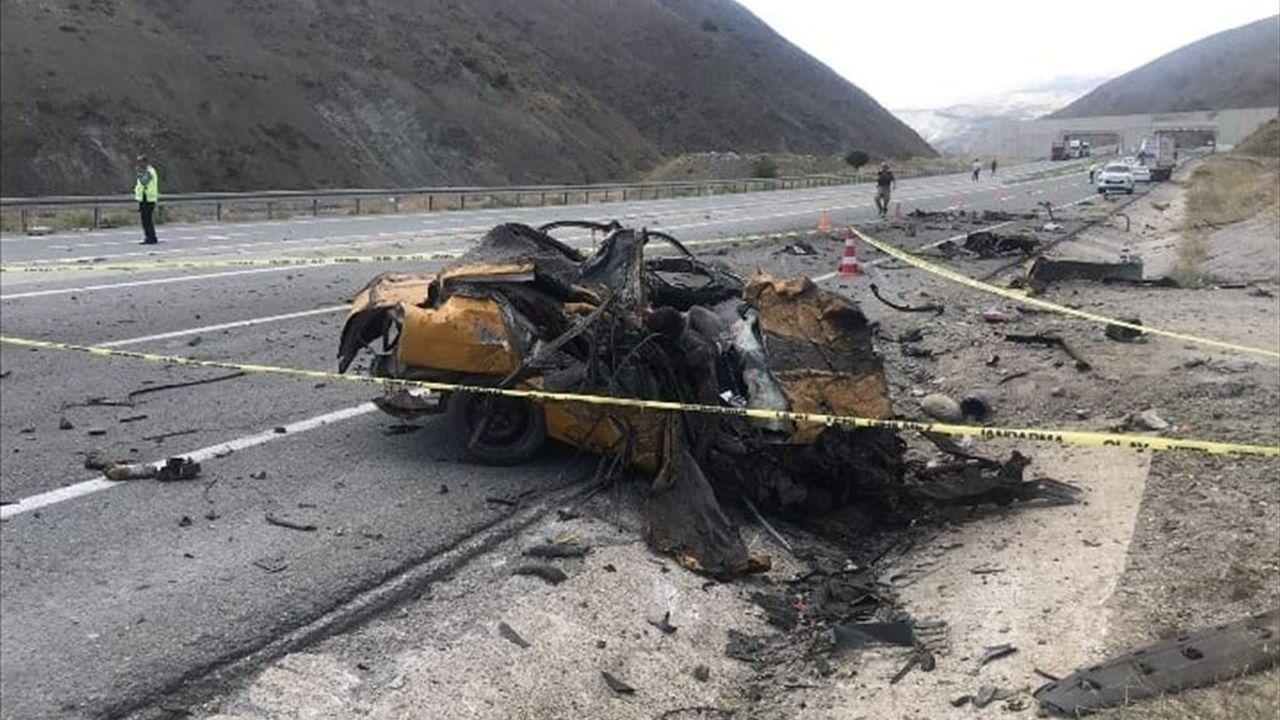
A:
140	283
69	492
222	326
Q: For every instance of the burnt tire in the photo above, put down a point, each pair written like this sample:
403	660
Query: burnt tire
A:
492	429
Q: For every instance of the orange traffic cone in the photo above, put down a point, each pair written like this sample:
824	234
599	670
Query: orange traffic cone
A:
849	263
824	222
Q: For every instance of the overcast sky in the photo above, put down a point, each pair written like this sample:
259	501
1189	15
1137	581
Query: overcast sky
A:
910	54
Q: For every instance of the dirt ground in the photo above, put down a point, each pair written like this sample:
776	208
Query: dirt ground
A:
1162	543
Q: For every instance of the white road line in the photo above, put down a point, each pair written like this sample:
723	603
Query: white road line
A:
222	326
140	283
91	486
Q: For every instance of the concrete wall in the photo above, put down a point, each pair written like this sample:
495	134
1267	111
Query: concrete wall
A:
1033	138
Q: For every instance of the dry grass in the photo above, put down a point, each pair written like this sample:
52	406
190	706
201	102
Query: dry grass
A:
1230	188
1237	185
1227	189
1265	142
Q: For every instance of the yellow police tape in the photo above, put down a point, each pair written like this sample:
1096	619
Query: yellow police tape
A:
91	265
1052	307
1062	437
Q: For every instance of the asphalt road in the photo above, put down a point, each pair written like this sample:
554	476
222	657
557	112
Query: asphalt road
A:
112	594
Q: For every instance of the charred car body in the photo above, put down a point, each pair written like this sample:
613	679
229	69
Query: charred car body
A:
524	310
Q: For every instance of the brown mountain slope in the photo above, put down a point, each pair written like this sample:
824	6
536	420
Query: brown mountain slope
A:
1237	68
247	94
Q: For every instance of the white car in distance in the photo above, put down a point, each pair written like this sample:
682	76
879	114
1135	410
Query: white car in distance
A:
1115	177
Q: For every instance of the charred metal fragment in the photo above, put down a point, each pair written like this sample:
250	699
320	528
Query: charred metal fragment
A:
1045	271
1055	341
988	244
936	309
1223	652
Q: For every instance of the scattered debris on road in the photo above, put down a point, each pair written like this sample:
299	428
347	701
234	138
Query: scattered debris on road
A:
848	636
180	385
931	307
1055	341
616	685
799	247
178	468
664	625
1202	658
558	550
129	471
514	637
988	244
271	565
1120	333
995	652
290	524
1045	271
550	573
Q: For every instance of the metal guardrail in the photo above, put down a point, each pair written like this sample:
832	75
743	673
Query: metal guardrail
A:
605	192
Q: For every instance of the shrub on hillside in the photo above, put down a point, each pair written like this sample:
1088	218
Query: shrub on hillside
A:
764	167
857	158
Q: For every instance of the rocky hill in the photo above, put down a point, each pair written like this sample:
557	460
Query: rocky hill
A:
249	94
1238	68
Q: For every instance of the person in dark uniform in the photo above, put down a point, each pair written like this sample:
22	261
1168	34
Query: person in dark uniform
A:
885	183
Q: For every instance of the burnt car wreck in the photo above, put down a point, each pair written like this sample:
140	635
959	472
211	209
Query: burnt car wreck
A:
522	309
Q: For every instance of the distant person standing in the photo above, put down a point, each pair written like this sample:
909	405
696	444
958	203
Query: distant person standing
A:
1093	172
885	183
146	190
993	167
977	169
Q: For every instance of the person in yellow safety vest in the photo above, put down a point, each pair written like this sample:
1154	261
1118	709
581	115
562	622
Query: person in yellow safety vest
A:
146	190
1093	172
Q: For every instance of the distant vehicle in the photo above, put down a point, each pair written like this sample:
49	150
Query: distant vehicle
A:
1158	153
1131	161
1115	177
1069	149
1140	173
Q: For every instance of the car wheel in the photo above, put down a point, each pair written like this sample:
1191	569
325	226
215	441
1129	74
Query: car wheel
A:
493	429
